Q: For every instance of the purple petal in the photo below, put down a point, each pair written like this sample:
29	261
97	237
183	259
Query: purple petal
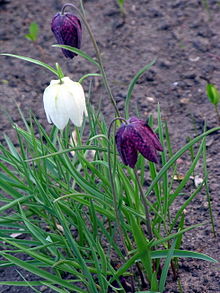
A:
147	143
118	139
154	138
125	146
68	31
147	150
134	137
129	153
133	119
144	146
147	134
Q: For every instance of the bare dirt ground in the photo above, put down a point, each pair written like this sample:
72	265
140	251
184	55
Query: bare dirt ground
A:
184	37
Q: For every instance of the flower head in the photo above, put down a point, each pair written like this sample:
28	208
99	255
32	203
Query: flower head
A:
64	100
136	136
68	31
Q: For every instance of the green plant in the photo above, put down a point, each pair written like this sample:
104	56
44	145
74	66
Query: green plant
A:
90	222
33	32
214	97
120	4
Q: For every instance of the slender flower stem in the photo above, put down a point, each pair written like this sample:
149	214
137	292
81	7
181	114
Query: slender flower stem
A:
148	221
66	5
115	200
98	55
88	75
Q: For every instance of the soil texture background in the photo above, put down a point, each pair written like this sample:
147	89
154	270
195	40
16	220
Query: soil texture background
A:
184	37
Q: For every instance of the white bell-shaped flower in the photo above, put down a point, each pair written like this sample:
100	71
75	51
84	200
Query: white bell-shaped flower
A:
63	101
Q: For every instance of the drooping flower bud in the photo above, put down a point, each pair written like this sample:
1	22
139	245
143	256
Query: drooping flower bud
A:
64	101
136	136
68	31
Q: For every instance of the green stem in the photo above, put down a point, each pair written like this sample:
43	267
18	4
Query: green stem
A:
147	215
115	200
207	190
98	55
88	75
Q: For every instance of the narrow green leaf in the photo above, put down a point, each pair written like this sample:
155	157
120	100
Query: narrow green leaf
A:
30	286
208	195
32	61
6	186
35	283
41	273
188	173
142	246
59	71
15	202
79	52
132	85
12	148
80	148
23	283
39	234
166	267
164	160
82	198
73	245
185	204
88	75
56	289
177	155
171	236
155	254
183	254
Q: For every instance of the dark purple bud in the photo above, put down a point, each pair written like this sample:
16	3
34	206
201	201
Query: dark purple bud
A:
136	136
68	31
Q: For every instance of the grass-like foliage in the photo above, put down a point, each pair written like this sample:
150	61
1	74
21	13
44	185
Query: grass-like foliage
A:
89	223
63	203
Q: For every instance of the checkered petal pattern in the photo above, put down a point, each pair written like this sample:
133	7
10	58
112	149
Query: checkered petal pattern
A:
67	31
136	136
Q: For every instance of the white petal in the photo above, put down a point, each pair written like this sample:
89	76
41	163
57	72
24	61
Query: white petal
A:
79	105
82	98
64	101
53	106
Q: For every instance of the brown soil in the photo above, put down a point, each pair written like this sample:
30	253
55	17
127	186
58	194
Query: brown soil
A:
184	37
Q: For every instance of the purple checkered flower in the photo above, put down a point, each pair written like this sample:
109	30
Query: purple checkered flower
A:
136	136
68	31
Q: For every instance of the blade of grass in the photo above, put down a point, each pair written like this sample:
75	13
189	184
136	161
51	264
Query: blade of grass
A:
32	61
79	52
177	155
132	85
208	195
41	273
166	267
